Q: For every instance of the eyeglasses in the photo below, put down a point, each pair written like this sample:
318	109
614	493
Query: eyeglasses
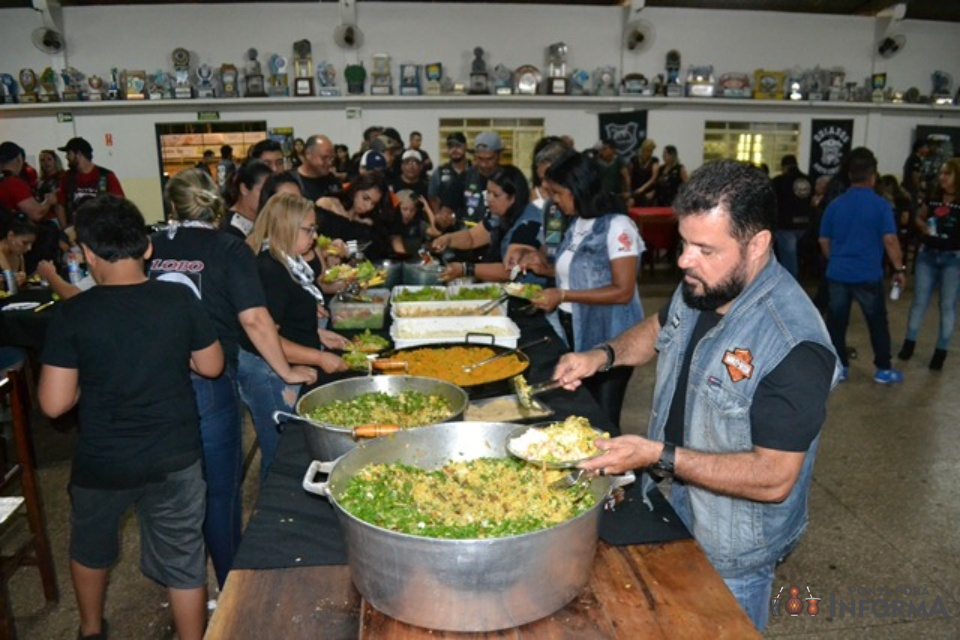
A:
311	230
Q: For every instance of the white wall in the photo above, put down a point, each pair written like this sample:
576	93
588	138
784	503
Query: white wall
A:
142	37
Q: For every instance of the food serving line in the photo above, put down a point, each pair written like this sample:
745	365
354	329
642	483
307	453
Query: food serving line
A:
291	578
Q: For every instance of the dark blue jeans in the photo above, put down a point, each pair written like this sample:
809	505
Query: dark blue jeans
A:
872	298
220	430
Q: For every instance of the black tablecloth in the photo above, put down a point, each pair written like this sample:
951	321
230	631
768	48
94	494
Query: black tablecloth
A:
291	527
25	328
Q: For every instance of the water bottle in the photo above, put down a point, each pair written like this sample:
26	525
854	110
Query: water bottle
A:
932	225
895	291
73	269
10	278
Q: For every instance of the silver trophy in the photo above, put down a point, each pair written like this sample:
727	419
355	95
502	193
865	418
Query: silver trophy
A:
327	80
479	80
302	69
557	81
181	74
253	75
205	85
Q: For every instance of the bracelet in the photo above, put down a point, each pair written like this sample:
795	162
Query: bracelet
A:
563	296
468	269
611	356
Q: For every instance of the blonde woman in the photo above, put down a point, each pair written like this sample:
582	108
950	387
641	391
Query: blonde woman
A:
285	229
220	270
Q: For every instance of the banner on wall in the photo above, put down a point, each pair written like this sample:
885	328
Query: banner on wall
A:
830	142
627	129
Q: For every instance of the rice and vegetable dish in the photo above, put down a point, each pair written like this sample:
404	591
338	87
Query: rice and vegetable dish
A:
483	498
406	409
570	440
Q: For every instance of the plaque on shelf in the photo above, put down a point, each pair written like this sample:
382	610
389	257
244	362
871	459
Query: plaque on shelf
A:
700	81
356	76
768	85
410	80
8	89
134	84
605	81
229	85
327	80
95	88
72	83
181	74
380	78
942	88
253	75
302	69
557	81
502	80
28	84
580	82
279	83
635	84
159	86
674	89
526	80
878	82
48	86
113	89
479	79
434	73
734	85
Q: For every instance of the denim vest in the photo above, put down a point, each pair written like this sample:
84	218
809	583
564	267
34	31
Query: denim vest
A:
590	269
768	319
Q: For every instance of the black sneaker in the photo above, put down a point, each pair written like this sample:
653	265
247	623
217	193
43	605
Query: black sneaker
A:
936	363
96	636
906	351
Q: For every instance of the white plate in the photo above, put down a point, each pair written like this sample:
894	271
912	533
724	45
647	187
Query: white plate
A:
21	306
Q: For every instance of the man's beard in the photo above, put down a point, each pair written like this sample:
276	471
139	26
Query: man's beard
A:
713	298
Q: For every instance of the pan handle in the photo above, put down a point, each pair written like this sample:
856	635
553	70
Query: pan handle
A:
283	414
319	488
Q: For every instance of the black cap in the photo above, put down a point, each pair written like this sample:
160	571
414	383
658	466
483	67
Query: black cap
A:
78	145
457	139
10	151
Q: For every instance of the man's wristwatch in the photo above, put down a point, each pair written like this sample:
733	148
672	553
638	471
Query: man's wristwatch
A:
611	356
664	466
902	269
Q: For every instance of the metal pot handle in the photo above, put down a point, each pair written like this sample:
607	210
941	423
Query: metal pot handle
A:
297	418
319	488
283	414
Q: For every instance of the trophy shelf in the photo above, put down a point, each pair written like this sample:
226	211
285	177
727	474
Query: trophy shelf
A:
518	101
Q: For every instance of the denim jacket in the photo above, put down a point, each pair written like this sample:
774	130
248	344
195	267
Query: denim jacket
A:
770	317
590	269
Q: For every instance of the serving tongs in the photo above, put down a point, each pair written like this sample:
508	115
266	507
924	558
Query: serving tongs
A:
467	368
487	307
526	391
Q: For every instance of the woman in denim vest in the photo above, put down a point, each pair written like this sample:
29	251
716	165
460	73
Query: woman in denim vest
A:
596	271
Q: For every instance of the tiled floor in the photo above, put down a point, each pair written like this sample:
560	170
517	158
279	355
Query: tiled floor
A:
883	507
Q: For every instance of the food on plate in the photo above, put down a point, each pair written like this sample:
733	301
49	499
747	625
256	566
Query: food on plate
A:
447	364
569	441
519	290
483	498
477	293
369	342
323	242
364	273
339	272
356	360
424	294
406	409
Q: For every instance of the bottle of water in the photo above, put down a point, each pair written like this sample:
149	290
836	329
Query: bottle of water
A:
73	268
895	291
932	225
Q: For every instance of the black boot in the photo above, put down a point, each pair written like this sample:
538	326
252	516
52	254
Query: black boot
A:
936	362
906	351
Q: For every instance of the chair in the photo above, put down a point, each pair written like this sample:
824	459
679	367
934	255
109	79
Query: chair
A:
33	547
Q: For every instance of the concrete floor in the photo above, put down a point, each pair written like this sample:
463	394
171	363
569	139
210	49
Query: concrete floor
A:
884	495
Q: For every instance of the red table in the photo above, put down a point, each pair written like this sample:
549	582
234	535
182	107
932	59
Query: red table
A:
658	228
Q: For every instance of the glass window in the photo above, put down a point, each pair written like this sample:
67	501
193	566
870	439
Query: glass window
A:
754	142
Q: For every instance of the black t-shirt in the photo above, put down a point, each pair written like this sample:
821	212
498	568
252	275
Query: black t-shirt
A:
131	346
315	188
219	268
912	168
377	234
293	309
794	191
789	405
420	187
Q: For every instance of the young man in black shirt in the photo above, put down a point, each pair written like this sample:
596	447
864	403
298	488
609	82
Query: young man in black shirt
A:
128	345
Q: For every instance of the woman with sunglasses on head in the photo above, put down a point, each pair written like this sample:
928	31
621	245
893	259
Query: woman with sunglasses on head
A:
286	228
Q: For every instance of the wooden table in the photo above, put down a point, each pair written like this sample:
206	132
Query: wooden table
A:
666	590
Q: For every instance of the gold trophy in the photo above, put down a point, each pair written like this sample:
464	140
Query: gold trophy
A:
302	69
28	82
48	86
95	92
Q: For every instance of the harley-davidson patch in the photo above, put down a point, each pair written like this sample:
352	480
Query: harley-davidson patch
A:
738	363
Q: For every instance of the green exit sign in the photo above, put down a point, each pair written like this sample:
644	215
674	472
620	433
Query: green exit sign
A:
207	116
64	117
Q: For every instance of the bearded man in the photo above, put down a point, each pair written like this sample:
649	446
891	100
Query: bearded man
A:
744	368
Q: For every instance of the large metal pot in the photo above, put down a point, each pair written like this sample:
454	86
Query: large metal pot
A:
489	389
460	585
415	273
328	442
